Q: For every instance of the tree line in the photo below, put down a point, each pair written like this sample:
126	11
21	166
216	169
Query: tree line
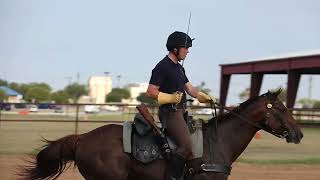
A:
42	92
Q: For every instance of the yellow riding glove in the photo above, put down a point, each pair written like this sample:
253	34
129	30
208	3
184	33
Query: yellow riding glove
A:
204	98
165	98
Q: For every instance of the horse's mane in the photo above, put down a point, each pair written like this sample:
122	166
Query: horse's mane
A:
244	104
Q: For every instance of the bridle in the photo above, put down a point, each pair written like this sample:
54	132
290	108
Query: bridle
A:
272	111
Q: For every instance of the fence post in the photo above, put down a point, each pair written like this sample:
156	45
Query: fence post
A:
77	119
0	117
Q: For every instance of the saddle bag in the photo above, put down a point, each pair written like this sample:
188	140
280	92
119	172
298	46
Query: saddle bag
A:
141	125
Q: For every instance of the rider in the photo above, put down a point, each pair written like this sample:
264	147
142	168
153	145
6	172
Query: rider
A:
168	85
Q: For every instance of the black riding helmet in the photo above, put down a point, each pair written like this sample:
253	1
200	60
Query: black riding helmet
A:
178	39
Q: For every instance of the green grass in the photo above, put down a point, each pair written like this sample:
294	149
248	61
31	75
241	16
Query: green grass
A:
272	150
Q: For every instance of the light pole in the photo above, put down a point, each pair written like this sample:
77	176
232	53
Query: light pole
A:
69	78
310	88
106	73
118	78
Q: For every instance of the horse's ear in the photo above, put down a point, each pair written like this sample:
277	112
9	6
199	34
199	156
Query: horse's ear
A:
278	92
269	93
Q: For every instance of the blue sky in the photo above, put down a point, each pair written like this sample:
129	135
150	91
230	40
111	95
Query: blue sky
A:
48	41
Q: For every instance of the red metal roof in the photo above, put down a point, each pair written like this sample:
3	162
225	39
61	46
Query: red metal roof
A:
309	64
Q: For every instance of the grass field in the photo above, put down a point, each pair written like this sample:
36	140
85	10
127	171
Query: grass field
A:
270	149
24	137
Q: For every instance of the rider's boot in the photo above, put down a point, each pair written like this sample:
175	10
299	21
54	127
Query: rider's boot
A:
175	167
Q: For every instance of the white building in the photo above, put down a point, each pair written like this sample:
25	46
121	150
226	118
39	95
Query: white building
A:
136	89
99	87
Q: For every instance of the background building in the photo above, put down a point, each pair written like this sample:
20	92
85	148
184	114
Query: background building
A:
99	87
135	90
13	96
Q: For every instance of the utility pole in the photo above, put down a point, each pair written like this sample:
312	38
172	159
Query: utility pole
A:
118	77
106	73
69	78
310	88
78	77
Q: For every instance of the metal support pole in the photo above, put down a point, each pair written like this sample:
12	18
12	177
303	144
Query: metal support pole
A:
224	86
256	81
77	119
293	84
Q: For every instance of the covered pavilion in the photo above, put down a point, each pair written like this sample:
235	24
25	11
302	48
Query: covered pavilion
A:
294	65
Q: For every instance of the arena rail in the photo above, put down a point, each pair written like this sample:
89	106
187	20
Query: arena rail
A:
115	113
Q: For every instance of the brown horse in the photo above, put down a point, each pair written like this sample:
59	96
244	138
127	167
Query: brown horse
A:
99	153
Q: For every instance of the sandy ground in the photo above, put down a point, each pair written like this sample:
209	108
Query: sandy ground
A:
9	163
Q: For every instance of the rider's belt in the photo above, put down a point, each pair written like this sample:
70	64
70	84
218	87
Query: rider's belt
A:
173	106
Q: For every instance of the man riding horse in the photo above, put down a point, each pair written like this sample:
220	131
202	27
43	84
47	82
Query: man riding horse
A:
168	85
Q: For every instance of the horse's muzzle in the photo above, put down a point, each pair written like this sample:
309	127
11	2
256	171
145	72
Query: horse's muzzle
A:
295	135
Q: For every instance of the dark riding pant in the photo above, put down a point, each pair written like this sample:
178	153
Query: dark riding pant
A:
177	128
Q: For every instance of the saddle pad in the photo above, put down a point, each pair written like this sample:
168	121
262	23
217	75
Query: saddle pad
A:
197	143
126	136
196	139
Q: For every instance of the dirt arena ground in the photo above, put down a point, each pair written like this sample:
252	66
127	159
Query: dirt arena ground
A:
241	171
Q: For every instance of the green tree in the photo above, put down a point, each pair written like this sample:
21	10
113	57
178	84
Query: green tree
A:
145	99
117	94
75	90
3	82
316	104
3	96
306	102
23	88
283	94
59	97
20	88
15	86
38	94
41	85
244	95
202	88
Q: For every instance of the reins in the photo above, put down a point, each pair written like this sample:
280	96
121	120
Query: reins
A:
213	106
244	119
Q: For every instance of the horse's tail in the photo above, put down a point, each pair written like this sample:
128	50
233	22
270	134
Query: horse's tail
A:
51	161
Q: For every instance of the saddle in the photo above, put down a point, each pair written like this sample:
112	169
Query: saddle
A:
140	141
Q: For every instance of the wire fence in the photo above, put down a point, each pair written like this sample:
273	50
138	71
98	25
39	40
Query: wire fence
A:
112	113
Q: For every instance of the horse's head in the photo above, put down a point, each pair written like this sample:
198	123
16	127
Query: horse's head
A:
273	116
